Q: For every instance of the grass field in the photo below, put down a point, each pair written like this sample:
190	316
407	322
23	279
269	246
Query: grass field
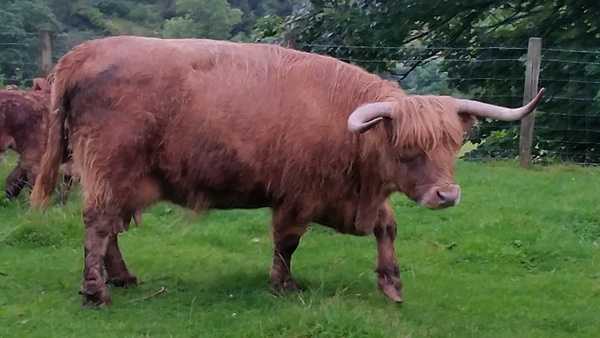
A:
520	257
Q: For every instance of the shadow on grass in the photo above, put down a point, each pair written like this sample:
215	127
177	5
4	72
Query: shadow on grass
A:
248	289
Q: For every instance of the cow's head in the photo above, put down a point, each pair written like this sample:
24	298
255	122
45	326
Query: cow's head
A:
424	135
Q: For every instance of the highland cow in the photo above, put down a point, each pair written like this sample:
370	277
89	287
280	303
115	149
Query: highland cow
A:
22	129
214	124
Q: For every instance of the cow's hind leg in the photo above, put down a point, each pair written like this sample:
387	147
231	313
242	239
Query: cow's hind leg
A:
388	273
286	237
65	188
117	273
99	227
16	181
111	163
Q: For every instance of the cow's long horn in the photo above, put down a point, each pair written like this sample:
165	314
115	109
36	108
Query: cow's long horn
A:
498	112
366	116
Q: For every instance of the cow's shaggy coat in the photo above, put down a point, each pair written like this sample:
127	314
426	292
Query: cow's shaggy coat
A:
210	124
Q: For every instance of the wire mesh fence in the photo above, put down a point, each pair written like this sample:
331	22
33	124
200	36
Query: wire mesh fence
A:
17	57
567	125
20	54
570	123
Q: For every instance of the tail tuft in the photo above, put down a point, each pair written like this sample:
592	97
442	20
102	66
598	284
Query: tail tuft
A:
48	176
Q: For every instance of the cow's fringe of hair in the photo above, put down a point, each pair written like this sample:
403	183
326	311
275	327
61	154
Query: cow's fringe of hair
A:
422	122
426	123
53	156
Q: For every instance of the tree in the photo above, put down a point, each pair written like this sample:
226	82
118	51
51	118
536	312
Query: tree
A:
202	18
254	11
75	21
20	22
268	29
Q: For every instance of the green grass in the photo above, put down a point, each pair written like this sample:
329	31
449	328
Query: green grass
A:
520	257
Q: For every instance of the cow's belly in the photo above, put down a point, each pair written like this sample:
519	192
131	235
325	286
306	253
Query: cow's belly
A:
340	215
199	196
208	172
253	199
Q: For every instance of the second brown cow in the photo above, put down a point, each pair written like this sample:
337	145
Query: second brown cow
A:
21	129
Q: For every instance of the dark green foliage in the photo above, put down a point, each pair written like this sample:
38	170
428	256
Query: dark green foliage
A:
255	9
202	18
113	7
427	79
20	23
74	21
268	29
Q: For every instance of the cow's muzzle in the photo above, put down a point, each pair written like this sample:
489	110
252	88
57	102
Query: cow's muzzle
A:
439	197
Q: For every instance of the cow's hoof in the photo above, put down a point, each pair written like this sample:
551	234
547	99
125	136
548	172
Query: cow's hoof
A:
126	281
96	300
95	297
285	286
391	287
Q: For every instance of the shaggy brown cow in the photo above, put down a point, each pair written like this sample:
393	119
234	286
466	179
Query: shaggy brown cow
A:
214	124
21	129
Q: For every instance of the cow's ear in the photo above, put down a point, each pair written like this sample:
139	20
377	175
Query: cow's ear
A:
467	121
40	84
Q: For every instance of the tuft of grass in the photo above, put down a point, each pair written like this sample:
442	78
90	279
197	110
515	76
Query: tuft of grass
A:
33	235
520	257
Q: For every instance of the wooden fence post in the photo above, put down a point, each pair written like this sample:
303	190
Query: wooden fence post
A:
532	75
45	52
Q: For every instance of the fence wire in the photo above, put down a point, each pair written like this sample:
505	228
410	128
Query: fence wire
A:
20	54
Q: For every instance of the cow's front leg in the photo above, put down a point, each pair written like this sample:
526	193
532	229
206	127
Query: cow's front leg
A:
286	237
16	181
116	270
98	229
388	273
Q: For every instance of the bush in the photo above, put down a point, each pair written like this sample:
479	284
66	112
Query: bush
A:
144	13
180	27
268	28
501	144
113	7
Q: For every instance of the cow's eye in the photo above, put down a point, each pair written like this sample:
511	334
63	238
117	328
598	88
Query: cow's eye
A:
408	157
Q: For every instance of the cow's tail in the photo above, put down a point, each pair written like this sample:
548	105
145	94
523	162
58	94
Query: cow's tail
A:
56	142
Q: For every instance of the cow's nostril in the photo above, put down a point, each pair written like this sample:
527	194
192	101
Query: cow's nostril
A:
442	196
448	196
445	196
